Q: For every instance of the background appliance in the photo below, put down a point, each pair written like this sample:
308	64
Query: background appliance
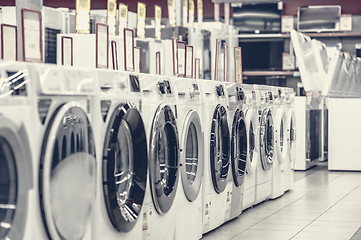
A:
251	121
266	143
264	17
189	196
122	167
216	153
325	18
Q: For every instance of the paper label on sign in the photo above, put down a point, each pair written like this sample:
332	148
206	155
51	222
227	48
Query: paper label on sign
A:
112	16
346	22
287	24
67	51
238	64
157	63
129	49
102	45
181	52
83	16
123	18
288	61
32	36
189	62
200	12
136	59
226	13
197	68
191	12
171	13
185	13
158	19
216	12
175	58
141	20
9	44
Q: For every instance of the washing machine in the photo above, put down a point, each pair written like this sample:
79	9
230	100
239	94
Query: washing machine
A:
64	160
216	201
122	166
252	159
16	169
238	146
291	135
188	200
266	143
159	114
281	144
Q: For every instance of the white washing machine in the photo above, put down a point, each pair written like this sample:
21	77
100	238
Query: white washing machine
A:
216	203
159	114
188	201
123	163
251	121
16	171
281	144
291	135
238	147
64	162
266	143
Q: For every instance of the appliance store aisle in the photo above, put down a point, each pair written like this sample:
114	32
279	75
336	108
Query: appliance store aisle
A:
322	205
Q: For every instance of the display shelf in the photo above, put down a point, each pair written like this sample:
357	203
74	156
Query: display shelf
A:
287	35
269	73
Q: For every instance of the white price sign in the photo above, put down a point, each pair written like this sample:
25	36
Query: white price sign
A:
9	50
112	16
102	39
238	65
123	18
82	16
129	49
141	13
67	51
189	62
32	43
181	55
137	59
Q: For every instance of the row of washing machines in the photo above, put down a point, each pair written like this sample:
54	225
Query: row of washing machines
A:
101	154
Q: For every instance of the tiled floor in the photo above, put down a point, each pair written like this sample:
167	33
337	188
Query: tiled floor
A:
322	205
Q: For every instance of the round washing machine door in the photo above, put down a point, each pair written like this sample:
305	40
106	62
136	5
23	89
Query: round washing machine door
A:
191	156
67	173
281	136
163	159
125	163
239	147
251	129
266	139
15	180
219	149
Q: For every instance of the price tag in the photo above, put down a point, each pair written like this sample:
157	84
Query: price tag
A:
114	55
191	12
288	61
189	62
112	16
31	34
175	56
216	12
67	51
185	13
238	65
102	39
123	18
141	20
287	24
200	12
225	62
197	68
157	63
346	22
226	13
9	50
171	13
137	59
181	55
158	19
128	49
82	16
